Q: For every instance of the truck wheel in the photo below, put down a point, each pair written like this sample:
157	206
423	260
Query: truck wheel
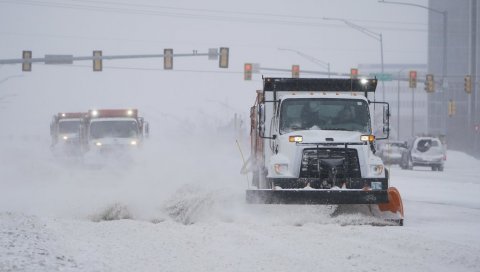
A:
409	163
434	168
403	164
440	168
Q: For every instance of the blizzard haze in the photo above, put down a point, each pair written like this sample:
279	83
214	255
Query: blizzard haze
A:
179	203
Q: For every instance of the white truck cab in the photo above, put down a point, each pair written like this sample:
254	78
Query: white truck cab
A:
112	130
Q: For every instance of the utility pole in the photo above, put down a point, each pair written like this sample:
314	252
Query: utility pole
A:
371	34
444	80
473	107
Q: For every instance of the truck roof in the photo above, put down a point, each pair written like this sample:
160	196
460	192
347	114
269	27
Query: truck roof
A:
319	85
70	115
342	95
108	113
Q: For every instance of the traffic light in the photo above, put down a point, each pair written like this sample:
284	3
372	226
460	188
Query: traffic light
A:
223	63
97	61
247	71
295	71
168	59
452	108
430	84
353	73
468	84
412	79
26	66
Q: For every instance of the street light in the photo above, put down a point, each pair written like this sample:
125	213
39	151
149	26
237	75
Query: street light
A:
371	34
444	14
444	62
310	58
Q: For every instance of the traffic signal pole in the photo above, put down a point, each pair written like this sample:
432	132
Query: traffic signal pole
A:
69	59
413	112
473	113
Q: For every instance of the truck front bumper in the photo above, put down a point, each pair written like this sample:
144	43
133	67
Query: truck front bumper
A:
314	196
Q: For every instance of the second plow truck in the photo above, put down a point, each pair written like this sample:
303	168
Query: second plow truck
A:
112	131
312	142
65	130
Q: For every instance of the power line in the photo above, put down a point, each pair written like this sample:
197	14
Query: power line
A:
217	15
232	12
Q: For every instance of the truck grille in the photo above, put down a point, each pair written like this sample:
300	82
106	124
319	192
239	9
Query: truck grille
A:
346	160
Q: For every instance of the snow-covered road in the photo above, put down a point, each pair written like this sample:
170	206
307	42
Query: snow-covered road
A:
185	211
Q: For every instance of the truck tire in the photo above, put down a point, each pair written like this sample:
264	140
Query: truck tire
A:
402	163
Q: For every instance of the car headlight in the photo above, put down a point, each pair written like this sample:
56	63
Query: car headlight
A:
133	143
65	138
280	168
98	144
377	169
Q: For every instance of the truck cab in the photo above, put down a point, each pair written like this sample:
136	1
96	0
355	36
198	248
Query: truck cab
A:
113	130
65	131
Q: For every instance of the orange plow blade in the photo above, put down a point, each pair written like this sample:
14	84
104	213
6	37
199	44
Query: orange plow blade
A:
394	205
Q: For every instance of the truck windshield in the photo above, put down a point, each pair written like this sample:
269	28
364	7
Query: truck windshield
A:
68	127
113	129
324	114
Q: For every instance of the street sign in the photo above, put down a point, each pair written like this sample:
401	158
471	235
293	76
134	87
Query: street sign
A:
212	53
382	76
58	59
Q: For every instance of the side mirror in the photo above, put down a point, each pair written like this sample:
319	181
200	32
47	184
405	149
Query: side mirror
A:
146	129
381	124
386	119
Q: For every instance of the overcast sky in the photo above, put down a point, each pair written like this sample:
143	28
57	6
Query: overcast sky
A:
253	30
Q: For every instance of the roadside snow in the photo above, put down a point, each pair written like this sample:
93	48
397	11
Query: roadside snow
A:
183	212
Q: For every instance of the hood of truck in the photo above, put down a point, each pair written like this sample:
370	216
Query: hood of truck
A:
321	136
68	136
111	141
289	154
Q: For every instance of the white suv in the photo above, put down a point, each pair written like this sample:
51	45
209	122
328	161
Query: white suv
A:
424	151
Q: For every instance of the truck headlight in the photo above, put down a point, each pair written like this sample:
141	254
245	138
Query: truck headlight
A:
133	142
367	138
280	168
295	139
98	144
377	169
65	138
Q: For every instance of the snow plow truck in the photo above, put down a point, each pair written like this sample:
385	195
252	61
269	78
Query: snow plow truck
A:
312	142
65	131
107	131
